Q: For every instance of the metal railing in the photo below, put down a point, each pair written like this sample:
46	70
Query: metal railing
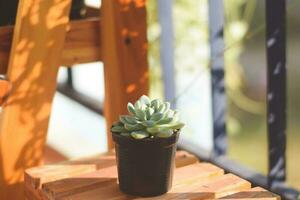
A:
276	95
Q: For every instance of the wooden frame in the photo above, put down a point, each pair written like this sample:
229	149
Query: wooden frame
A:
77	49
124	55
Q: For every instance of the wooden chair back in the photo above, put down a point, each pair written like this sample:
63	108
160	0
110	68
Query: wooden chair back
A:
31	53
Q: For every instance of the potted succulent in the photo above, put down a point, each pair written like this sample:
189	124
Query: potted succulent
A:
146	141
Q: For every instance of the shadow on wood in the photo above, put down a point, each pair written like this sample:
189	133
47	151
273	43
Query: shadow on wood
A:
38	39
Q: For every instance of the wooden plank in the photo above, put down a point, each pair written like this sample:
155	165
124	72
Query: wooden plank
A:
32	195
96	180
222	186
78	184
193	181
124	55
184	158
256	193
35	177
103	184
197	188
38	39
109	190
82	43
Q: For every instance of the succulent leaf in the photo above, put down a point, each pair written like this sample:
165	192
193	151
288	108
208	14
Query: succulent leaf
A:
118	123
141	114
166	120
125	134
140	134
145	100
135	127
137	105
149	111
165	134
131	119
148	123
161	108
148	119
175	117
127	119
131	108
173	126
118	129
153	130
156	117
155	104
167	106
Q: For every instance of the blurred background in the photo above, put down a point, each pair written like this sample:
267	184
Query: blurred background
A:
76	131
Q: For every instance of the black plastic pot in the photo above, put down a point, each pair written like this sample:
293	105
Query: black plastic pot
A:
145	167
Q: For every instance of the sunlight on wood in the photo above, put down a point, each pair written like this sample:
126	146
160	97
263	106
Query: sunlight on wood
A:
131	88
32	70
125	58
82	43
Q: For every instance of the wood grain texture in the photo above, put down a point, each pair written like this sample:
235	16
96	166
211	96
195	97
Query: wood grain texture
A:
38	40
82	43
36	176
192	180
124	55
256	193
69	174
79	184
184	158
85	186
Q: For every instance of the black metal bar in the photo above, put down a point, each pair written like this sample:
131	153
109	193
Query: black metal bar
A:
276	90
231	166
216	26
70	77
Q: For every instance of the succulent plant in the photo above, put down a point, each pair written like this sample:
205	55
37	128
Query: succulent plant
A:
148	119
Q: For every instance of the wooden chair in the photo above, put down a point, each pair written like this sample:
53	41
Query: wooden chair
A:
31	52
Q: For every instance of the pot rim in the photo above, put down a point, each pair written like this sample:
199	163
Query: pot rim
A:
125	140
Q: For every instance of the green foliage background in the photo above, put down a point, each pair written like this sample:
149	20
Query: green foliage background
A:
190	19
244	26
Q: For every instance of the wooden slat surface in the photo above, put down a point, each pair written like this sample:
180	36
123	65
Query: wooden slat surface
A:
37	176
82	43
256	193
192	180
33	65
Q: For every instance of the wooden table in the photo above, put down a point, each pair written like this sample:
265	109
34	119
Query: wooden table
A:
96	179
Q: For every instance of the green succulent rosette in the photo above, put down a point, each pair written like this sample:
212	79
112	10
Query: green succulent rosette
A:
148	119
